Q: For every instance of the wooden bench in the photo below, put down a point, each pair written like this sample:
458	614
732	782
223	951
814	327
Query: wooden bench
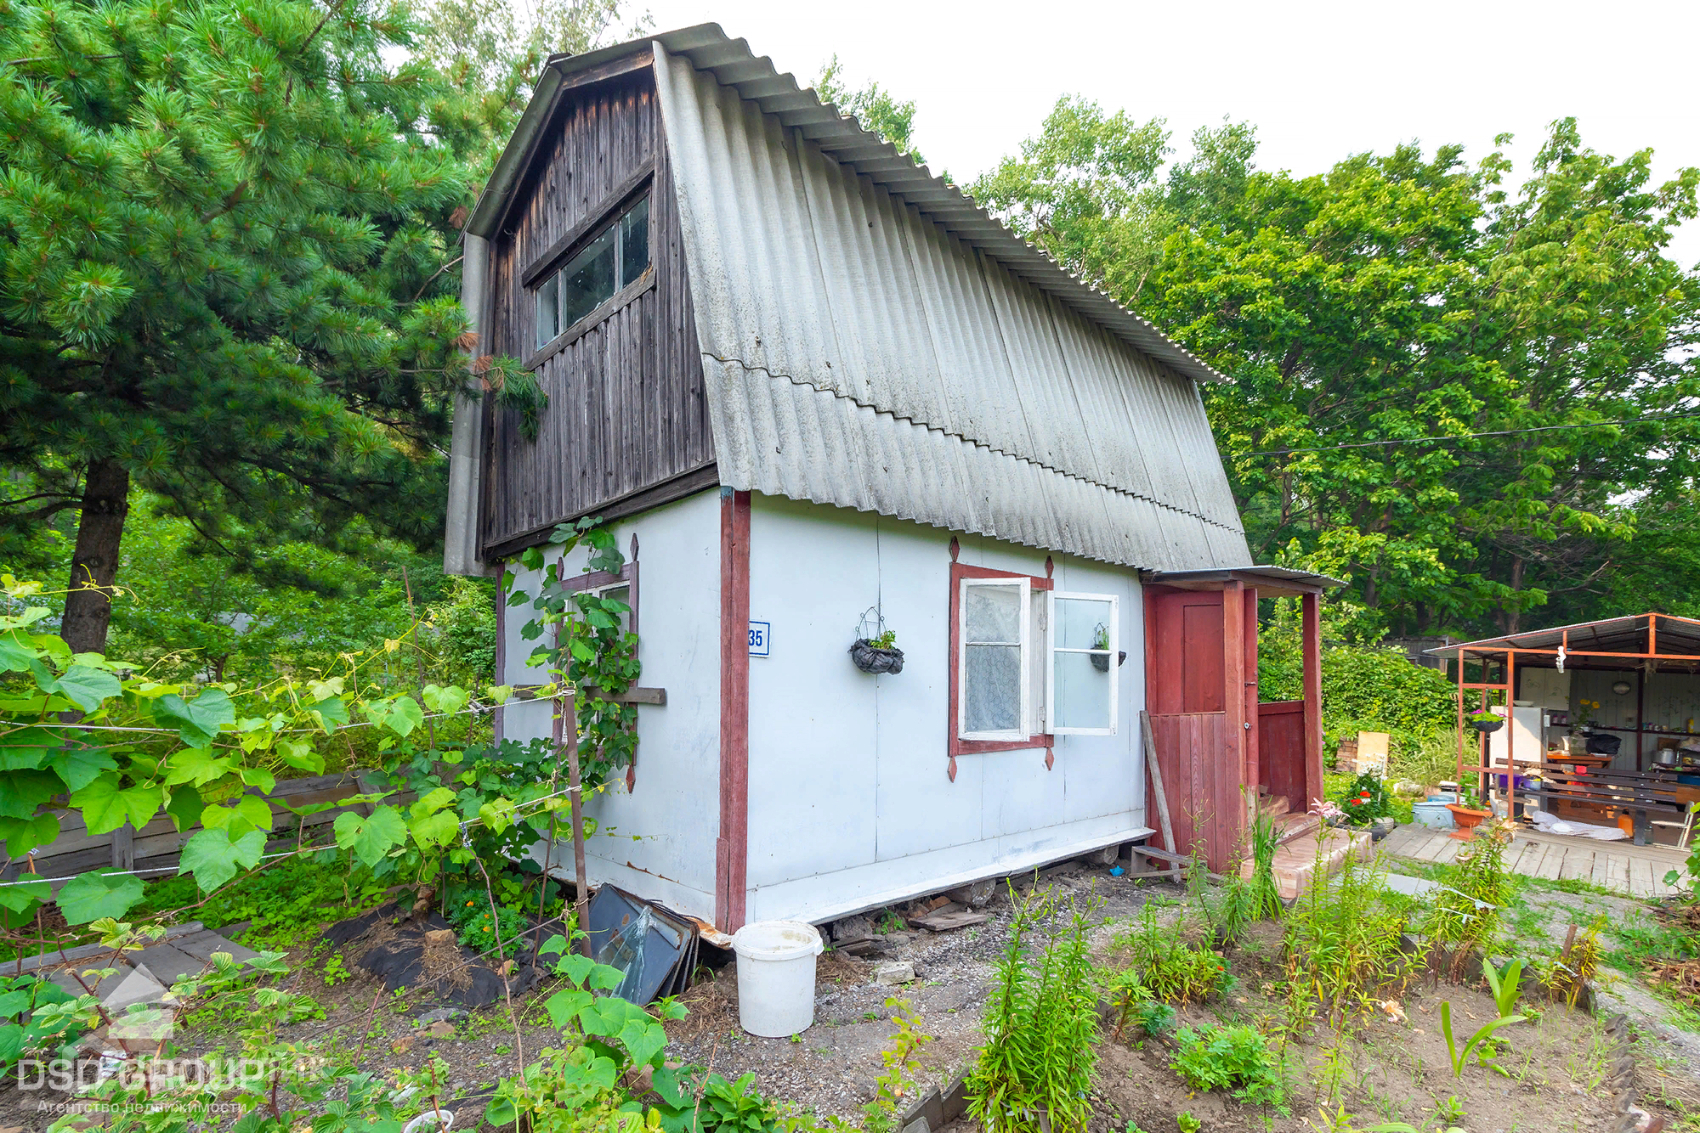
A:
1641	794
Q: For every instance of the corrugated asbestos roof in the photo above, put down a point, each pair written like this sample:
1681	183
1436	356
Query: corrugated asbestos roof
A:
873	339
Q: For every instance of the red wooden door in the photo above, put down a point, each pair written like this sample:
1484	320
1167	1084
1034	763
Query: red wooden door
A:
1281	748
1185	672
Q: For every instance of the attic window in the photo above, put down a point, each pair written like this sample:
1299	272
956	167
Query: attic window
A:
612	260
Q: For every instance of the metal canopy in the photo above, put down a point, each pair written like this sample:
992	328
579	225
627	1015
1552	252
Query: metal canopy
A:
1612	643
1270	581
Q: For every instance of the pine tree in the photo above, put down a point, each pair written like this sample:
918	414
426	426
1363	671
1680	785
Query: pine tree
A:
227	249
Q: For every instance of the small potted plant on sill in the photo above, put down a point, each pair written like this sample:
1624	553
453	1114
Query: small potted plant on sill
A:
1485	721
1101	640
1470	810
877	654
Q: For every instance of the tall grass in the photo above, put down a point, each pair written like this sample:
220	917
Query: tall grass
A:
1035	1071
1467	910
1343	942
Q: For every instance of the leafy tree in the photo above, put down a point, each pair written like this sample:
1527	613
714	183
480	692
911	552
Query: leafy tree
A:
875	107
491	53
1396	299
224	226
1098	192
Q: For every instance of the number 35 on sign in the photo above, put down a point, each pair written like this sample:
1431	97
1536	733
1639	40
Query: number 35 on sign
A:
761	635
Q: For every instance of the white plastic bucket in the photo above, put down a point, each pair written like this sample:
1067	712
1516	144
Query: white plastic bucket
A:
776	977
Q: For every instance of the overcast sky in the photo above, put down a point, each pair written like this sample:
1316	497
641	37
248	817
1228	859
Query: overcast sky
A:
1319	80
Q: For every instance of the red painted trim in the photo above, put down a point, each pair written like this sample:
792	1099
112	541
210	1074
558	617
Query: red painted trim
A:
954	745
1233	702
1311	615
1254	746
732	851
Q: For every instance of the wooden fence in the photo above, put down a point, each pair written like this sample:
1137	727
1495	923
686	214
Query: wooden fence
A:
153	850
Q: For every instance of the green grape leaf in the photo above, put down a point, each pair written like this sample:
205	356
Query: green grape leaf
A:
197	720
214	857
106	806
370	838
87	687
24	835
80	766
90	896
185	806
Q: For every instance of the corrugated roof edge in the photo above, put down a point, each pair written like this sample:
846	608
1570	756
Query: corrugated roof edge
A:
710	49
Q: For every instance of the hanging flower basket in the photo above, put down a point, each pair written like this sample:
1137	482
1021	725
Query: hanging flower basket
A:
1487	723
875	648
870	658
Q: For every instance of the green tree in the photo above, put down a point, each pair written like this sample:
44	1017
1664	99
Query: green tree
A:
1394	299
875	107
224	226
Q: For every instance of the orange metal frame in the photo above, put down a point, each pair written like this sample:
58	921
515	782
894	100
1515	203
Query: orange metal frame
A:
1486	656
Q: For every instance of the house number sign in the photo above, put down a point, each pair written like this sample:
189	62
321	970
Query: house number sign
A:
761	635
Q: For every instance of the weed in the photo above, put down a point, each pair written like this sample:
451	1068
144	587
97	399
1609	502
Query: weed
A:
1450	1111
1187	1123
1342	942
1173	972
335	971
1572	969
1504	985
1482	1044
1467	912
901	1065
1265	898
889	922
1041	1025
1237	1059
1132	1003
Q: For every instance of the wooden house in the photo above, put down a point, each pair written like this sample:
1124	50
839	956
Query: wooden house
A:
816	388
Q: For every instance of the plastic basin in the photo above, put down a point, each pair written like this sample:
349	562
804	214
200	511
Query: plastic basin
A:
1432	814
776	977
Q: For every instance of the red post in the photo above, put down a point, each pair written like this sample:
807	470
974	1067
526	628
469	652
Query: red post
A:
732	851
1233	706
1311	609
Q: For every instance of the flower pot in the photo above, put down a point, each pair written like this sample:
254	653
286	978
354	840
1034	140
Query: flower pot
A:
1467	818
1493	725
869	658
1380	828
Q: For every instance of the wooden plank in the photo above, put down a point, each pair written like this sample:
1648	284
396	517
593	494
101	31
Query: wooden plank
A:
1161	797
1449	848
1602	869
1641	877
1578	865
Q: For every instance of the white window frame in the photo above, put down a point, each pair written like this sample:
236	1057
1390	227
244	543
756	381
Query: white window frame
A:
1052	649
1022	730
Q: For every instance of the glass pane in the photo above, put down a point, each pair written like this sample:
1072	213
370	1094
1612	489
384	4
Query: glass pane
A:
992	696
1082	623
588	279
548	310
634	242
993	614
1083	691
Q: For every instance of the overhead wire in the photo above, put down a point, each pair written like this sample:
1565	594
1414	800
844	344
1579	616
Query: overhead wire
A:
1467	436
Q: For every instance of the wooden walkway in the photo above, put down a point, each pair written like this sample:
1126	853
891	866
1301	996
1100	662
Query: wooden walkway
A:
1638	871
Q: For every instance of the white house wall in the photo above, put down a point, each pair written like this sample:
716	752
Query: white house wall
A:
657	840
850	806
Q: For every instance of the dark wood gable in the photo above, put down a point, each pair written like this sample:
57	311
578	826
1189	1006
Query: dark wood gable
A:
626	426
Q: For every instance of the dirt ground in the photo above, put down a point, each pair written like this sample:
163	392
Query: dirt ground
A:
1559	1069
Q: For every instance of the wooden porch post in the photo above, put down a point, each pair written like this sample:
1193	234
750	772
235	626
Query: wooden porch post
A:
1310	606
1254	749
1233	700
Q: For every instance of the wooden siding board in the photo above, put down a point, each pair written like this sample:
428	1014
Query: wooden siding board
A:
627	407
